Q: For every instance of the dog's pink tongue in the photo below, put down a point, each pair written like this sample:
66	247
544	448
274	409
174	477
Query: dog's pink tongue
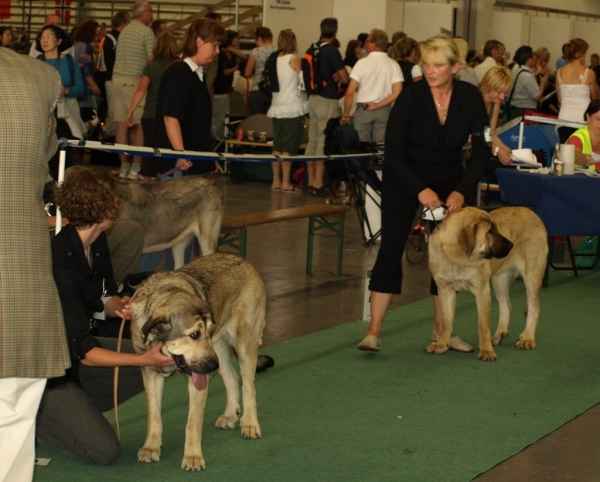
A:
200	381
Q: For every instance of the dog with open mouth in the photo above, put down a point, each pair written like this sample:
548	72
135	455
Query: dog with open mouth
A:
202	313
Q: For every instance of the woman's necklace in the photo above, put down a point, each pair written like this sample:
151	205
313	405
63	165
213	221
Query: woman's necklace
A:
443	112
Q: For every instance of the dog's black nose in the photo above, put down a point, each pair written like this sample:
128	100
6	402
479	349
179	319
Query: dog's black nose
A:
211	366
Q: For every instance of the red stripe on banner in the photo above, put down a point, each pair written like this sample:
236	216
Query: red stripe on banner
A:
4	9
63	10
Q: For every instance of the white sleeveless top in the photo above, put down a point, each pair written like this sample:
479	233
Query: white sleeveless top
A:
290	101
575	98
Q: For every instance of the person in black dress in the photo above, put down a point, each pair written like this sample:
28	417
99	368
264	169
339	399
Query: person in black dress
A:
183	113
426	131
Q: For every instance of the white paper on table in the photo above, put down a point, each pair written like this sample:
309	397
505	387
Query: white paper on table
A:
524	157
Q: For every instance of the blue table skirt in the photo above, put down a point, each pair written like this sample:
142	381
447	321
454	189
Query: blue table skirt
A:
568	205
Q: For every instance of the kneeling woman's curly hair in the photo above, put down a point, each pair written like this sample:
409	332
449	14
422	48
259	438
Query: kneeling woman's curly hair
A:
87	197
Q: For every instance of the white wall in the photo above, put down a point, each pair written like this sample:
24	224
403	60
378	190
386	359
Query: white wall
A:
590	32
394	16
356	16
512	29
551	33
584	6
426	20
302	16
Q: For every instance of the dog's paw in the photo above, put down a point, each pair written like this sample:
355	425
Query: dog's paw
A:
487	355
193	463
148	455
436	348
251	431
499	337
225	422
525	344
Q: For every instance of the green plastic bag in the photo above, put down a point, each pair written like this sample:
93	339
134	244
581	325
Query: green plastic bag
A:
586	252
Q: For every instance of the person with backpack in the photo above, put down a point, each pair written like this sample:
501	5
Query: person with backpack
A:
376	80
324	68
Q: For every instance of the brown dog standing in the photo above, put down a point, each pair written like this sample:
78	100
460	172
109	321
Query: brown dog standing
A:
471	247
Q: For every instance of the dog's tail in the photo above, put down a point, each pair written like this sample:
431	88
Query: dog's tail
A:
263	363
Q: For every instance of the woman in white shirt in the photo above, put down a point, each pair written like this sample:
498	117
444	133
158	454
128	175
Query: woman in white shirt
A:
575	86
288	108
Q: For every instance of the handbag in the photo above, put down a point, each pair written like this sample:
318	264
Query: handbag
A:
68	109
268	82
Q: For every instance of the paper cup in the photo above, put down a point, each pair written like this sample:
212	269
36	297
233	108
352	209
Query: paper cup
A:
567	155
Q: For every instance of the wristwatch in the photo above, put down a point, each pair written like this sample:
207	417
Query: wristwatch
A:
495	151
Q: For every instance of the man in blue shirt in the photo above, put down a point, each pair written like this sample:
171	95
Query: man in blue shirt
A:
324	106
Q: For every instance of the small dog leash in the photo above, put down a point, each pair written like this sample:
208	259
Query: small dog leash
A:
420	227
116	382
168	173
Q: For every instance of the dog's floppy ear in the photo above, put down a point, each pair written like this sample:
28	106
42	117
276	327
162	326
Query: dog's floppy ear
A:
140	293
151	324
467	238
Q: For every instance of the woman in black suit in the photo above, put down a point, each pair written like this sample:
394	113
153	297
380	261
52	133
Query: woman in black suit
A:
426	131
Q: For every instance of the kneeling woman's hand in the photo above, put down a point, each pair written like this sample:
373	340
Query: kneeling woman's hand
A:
125	307
153	357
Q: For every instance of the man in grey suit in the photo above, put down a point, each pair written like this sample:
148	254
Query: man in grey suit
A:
32	332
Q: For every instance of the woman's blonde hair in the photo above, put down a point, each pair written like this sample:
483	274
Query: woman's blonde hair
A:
165	47
286	42
439	50
497	79
543	55
463	49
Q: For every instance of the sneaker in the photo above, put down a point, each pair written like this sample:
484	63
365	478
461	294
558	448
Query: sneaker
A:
123	174
133	176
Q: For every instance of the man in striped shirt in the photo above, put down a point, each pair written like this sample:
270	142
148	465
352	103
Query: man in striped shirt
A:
134	49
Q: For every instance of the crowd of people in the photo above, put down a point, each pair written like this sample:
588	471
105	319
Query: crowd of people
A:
424	100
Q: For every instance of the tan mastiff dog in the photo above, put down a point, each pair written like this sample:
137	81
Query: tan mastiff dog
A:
202	312
469	248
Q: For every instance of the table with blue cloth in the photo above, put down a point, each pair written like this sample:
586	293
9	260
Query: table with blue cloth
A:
565	204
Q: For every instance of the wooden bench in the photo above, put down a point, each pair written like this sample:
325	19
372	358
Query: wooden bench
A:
233	228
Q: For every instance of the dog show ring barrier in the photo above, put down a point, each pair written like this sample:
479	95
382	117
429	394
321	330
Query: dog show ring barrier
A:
322	217
233	228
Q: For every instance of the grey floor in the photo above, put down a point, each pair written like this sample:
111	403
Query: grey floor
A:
299	304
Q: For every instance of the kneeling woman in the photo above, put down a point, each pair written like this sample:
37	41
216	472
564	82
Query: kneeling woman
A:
70	414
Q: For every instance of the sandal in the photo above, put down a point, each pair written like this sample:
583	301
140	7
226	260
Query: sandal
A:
294	190
455	344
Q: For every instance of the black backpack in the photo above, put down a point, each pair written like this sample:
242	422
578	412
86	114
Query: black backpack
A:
314	83
269	81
